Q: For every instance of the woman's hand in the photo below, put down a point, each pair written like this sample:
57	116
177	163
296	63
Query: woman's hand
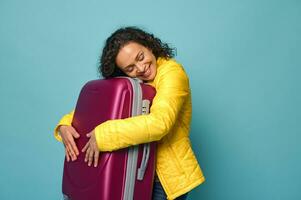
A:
68	133
91	148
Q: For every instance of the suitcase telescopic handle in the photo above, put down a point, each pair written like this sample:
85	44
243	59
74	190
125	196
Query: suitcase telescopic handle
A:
145	158
146	147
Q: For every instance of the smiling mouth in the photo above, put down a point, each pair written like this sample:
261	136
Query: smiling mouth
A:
147	72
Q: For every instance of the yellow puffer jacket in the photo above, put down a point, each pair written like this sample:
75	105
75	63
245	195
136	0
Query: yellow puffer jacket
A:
168	123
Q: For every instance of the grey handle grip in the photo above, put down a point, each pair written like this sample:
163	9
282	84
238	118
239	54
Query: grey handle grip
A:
146	147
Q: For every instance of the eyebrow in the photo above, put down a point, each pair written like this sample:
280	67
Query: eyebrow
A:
130	65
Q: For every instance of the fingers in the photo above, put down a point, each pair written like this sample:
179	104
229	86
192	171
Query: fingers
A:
70	151
90	157
91	148
92	154
90	134
85	147
73	146
67	155
74	132
87	154
96	156
68	133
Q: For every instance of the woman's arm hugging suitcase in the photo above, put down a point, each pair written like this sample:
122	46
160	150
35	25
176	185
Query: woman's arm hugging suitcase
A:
125	174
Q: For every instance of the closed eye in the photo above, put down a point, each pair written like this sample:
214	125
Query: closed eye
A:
129	68
141	57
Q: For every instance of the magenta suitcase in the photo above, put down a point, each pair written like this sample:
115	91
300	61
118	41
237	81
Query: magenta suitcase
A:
125	174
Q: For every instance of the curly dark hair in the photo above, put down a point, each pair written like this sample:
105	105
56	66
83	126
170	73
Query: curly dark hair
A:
122	36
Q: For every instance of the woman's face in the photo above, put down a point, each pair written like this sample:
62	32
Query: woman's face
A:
135	60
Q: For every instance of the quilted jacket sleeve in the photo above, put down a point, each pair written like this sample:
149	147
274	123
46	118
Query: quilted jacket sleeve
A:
172	88
66	120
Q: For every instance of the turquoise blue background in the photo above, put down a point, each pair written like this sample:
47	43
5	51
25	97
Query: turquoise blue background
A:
243	60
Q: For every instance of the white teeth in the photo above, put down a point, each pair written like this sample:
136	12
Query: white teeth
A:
147	72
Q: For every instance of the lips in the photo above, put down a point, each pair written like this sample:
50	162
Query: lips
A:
147	73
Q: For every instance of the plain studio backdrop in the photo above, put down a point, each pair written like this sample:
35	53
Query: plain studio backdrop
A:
243	58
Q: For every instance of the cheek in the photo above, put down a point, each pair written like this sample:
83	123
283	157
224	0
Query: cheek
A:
150	57
131	74
154	70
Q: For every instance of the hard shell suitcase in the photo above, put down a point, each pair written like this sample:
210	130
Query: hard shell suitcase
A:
125	174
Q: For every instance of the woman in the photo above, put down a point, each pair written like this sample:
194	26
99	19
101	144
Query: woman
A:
133	52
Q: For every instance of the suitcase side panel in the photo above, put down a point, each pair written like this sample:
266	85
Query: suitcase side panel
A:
80	180
108	180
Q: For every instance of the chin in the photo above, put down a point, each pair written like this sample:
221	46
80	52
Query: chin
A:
150	78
